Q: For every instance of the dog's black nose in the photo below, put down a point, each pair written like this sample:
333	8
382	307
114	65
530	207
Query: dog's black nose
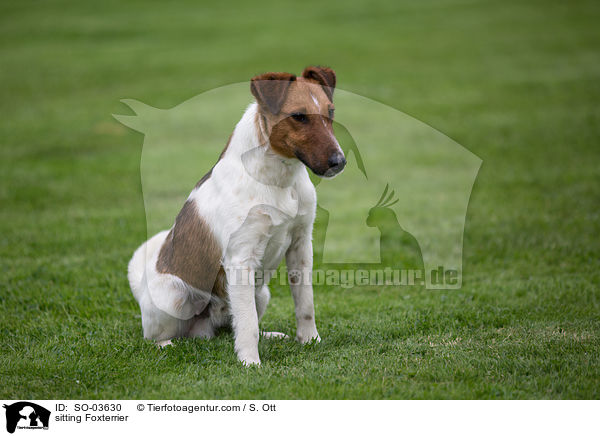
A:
336	162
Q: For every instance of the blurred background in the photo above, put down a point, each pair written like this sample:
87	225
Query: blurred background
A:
515	82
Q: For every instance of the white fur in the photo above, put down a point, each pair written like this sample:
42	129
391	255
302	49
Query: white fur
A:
260	208
316	102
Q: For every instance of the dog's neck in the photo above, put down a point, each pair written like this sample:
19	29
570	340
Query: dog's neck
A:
251	148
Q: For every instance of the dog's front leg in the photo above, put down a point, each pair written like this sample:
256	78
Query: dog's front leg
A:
243	311
299	264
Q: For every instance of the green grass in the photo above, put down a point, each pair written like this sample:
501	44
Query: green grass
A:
515	82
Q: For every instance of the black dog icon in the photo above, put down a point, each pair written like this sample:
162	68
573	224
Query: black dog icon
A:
32	413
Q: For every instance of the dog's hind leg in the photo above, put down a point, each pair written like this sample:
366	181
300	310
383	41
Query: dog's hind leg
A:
158	325
202	327
262	300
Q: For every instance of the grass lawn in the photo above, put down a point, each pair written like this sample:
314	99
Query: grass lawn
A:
517	83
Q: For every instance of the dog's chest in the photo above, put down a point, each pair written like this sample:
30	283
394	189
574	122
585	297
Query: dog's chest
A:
277	244
266	228
272	227
254	221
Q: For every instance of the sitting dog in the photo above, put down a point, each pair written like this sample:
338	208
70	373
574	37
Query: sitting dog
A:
255	206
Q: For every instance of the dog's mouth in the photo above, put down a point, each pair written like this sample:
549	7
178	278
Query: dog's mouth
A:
332	172
302	159
328	173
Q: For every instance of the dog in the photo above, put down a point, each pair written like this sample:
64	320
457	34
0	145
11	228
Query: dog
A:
255	206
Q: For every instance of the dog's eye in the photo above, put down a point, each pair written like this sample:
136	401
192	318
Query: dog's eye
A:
331	113
300	117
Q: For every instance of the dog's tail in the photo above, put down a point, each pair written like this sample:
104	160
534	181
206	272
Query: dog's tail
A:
140	260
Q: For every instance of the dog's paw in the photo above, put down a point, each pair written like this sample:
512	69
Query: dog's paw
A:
276	335
250	362
308	338
249	359
163	344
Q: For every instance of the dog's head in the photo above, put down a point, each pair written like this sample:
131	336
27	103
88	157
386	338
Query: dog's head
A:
296	113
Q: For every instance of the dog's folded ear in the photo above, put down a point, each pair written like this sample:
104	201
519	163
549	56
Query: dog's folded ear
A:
270	89
323	76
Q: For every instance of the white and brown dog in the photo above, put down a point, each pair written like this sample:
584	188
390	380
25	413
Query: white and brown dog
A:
256	205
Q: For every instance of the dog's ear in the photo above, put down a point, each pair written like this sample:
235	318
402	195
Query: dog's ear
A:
323	76
270	89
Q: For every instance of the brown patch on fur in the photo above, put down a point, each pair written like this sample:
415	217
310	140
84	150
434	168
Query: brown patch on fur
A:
270	89
323	76
312	143
300	98
302	127
220	287
296	115
191	252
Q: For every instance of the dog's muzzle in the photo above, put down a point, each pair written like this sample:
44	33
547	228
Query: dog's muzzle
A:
336	163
